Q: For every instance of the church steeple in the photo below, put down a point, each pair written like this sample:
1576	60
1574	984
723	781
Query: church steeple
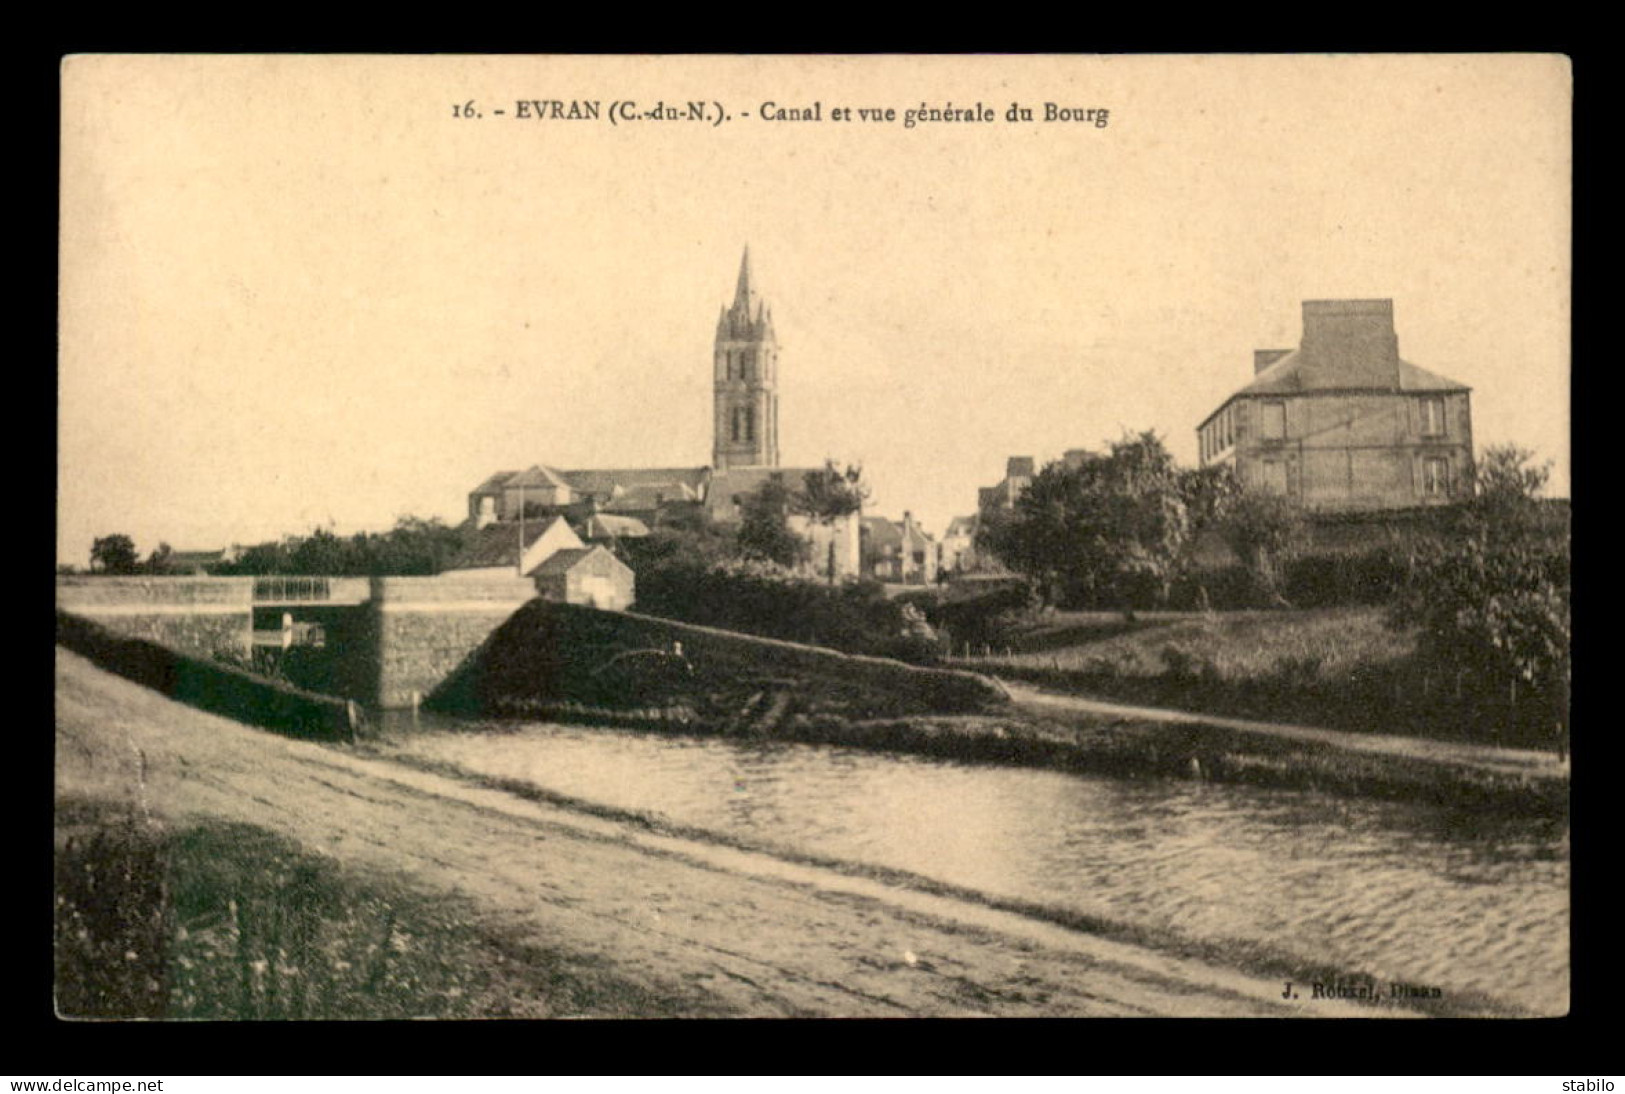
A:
744	296
746	381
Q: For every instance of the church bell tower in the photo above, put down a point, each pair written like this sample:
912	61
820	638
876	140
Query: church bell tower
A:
746	382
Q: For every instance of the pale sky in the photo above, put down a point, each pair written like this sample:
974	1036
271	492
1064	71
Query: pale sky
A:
299	292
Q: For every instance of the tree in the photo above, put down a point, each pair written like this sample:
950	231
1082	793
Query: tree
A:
114	554
1506	475
829	495
1109	526
321	552
1507	485
764	531
1491	597
159	561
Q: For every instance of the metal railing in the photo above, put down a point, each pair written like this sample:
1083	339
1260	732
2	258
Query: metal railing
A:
292	588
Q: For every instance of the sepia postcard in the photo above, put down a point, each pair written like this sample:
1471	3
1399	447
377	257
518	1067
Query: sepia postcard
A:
813	536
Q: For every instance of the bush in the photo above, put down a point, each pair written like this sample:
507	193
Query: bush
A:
1497	611
991	618
763	599
1334	581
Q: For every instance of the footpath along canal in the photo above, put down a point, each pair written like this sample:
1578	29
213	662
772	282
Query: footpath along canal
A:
1434	897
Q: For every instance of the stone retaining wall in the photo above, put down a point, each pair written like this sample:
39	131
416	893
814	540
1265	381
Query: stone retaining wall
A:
209	685
196	614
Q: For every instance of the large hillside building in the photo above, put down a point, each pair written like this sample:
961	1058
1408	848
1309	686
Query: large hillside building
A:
1341	423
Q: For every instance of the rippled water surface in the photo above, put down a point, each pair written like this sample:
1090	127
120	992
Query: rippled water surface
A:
1400	891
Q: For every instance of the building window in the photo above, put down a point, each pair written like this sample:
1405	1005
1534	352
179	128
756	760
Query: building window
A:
750	423
733	431
1433	416
1272	424
1435	477
1272	476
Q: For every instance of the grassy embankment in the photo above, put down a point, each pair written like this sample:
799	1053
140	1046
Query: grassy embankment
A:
219	921
1338	668
216	920
1285	666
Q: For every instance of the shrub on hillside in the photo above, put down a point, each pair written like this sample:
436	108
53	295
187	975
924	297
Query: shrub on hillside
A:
1339	580
760	598
1492	601
989	619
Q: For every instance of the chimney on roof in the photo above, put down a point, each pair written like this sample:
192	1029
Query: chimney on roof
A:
1350	343
1264	358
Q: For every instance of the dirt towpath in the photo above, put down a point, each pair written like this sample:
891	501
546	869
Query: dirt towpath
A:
712	930
1506	761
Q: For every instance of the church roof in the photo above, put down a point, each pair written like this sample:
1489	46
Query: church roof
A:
677	483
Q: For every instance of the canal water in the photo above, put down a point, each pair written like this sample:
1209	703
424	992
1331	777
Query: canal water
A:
1411	892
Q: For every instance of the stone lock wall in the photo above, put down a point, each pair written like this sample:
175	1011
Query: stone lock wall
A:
424	629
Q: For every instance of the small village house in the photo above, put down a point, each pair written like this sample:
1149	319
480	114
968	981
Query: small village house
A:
586	575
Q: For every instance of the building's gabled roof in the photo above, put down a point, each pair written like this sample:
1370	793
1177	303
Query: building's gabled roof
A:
1288	377
539	475
881	532
961	526
498	544
562	562
915	535
495	483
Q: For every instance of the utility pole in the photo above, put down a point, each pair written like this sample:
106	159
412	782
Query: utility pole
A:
519	563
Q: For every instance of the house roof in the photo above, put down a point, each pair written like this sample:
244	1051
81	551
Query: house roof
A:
916	536
539	475
1289	376
498	544
494	483
882	532
961	526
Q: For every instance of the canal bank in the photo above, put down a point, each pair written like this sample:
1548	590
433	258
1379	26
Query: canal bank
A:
708	928
1068	734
